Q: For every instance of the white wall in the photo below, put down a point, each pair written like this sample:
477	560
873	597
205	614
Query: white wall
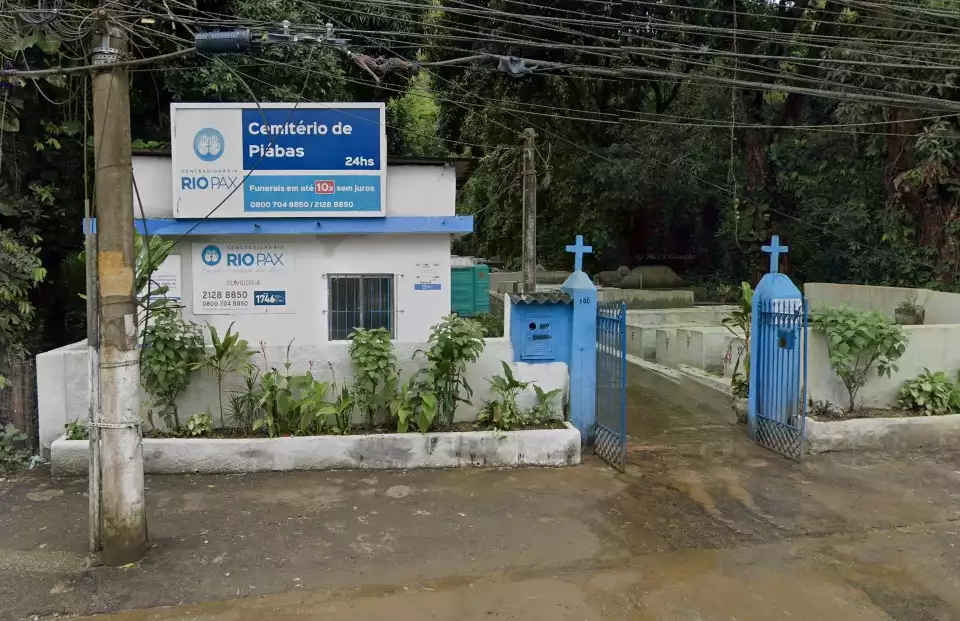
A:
62	376
411	190
316	257
941	307
935	347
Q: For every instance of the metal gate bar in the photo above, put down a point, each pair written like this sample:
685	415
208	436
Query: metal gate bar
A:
610	443
782	375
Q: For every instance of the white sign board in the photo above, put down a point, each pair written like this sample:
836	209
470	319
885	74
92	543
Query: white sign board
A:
233	160
168	275
234	279
427	277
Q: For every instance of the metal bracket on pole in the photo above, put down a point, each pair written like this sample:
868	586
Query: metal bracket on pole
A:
105	53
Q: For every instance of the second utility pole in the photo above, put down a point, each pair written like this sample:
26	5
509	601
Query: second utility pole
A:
529	212
123	515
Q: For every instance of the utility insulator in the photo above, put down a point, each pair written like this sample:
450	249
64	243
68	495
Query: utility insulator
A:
229	42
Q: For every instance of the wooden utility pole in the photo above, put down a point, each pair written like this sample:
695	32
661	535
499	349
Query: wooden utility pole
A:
529	212
123	518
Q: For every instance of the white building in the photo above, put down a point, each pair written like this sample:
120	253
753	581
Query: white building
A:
299	234
282	265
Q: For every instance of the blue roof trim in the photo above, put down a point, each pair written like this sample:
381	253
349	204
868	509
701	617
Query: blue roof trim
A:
456	225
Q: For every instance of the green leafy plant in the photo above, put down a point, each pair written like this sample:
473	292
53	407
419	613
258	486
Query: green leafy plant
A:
858	342
172	348
230	354
20	272
740	386
492	325
502	412
726	292
13	456
199	425
930	394
342	410
243	406
544	410
151	251
455	342
416	403
739	322
76	431
375	368
292	404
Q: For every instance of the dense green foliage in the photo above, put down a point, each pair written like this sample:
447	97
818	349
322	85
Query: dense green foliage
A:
14	456
172	348
375	371
930	394
691	166
20	271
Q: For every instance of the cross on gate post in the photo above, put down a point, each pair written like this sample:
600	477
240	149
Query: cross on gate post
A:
775	250
578	250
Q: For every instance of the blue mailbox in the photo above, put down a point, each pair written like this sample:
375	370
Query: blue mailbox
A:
538	340
540	327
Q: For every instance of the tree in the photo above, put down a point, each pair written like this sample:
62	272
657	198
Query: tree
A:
20	272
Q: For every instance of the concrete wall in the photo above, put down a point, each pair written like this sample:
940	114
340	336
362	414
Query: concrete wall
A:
62	376
647	298
314	259
411	190
936	347
941	308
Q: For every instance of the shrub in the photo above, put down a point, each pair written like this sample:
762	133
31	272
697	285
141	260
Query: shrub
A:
13	456
543	411
76	431
416	403
738	322
171	349
858	342
502	412
293	404
454	343
930	394
199	425
492	324
375	366
243	406
231	354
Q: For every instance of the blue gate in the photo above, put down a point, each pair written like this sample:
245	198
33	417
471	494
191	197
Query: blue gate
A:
780	360
611	431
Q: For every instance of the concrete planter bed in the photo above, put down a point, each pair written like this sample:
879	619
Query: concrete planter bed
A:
882	433
534	447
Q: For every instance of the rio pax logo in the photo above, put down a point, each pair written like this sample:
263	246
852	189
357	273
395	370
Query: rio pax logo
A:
208	144
212	256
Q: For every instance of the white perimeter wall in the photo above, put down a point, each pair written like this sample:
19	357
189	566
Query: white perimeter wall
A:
935	347
315	258
941	307
411	190
62	376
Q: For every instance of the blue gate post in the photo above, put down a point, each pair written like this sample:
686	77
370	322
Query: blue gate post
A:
778	336
583	354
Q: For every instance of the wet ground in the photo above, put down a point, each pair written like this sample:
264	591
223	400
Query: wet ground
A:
702	526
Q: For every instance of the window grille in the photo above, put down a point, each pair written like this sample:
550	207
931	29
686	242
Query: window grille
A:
360	301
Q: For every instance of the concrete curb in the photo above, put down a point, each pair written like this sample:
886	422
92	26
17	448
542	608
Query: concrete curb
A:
882	433
536	447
